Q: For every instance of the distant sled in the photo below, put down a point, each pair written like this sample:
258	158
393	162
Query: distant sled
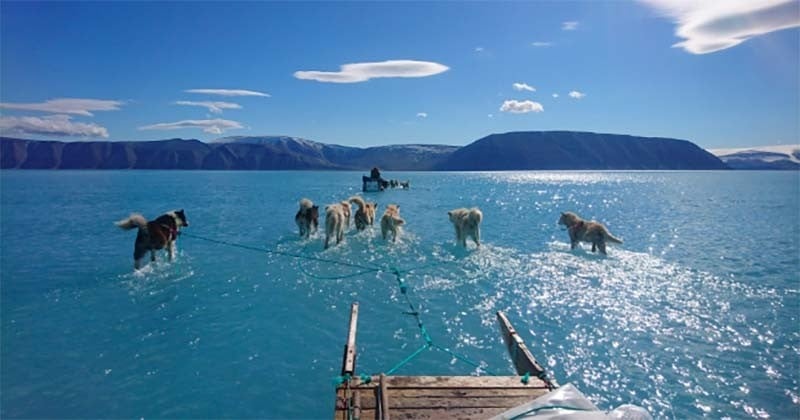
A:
371	184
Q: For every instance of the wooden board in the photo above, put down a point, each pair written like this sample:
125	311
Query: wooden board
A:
437	397
523	359
349	357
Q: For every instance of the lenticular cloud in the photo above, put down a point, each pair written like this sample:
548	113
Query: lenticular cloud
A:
521	107
50	125
710	26
361	72
212	126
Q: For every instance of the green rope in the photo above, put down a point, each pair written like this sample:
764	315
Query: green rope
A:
407	359
404	289
342	277
463	359
286	254
525	378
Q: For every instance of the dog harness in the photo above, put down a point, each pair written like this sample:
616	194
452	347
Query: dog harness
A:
173	231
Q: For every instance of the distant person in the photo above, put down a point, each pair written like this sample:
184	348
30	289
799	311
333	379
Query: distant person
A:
375	173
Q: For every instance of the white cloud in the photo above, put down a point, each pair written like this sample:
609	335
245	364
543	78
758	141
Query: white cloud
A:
490	115
215	126
215	107
710	26
73	106
542	44
521	107
524	86
228	92
569	25
576	95
361	72
422	114
555	95
478	49
50	125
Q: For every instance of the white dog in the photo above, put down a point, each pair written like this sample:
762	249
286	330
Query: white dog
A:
467	223
334	223
391	221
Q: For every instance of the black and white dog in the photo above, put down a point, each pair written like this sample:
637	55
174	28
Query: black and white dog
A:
154	235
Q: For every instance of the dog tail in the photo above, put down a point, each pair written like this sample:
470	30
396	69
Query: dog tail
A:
306	204
135	220
611	238
358	201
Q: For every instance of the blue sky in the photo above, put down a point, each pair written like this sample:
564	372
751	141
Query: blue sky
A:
144	71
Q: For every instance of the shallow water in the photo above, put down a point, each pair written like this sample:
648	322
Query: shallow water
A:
695	314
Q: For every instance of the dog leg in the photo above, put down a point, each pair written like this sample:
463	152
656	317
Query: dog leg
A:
171	250
602	246
572	245
594	247
137	264
153	255
477	237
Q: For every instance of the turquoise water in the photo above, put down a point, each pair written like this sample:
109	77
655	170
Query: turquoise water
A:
695	315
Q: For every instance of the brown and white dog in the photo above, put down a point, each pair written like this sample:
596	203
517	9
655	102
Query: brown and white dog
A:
154	235
391	221
334	223
467	223
365	215
307	218
582	231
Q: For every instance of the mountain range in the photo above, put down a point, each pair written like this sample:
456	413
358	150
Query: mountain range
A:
765	157
529	150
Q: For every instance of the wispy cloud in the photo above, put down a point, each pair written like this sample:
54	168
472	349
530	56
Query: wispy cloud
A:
228	92
555	95
524	86
521	107
478	49
710	26
576	95
215	107
361	72
50	125
75	106
542	44
569	25
215	126
422	114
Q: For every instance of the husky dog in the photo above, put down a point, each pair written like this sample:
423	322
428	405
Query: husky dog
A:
346	208
391	221
154	235
307	218
334	223
467	223
365	215
405	185
583	231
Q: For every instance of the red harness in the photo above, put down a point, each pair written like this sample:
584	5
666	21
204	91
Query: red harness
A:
576	226
173	232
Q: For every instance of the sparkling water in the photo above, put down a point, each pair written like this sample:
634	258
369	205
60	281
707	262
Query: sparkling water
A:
696	314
